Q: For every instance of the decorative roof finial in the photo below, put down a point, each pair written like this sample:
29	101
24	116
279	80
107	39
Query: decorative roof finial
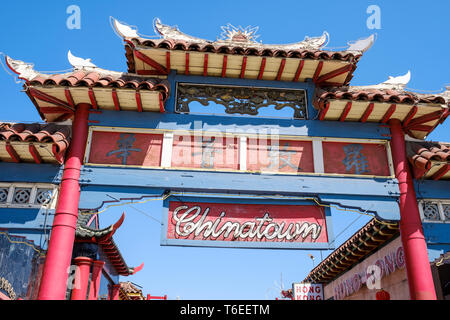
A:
361	45
400	80
24	70
77	62
124	30
238	34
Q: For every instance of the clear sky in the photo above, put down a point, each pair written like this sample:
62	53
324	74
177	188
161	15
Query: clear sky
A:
414	35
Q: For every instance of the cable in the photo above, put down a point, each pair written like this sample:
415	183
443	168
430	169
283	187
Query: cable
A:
126	203
138	210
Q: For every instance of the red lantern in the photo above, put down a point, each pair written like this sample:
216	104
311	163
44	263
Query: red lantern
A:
382	295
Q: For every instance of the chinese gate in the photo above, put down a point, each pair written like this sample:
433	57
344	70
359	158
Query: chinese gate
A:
234	179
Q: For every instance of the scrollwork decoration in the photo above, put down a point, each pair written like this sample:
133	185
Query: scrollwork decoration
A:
242	100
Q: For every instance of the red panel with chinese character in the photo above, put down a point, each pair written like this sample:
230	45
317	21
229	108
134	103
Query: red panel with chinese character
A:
279	155
123	148
246	222
206	152
355	158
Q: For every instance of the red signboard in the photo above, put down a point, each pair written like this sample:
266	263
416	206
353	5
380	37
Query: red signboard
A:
265	154
279	155
207	152
119	148
246	223
355	158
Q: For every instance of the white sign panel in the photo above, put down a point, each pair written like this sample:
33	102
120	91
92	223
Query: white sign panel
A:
307	291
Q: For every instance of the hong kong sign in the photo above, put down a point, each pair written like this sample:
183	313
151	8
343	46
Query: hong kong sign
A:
273	154
227	222
307	291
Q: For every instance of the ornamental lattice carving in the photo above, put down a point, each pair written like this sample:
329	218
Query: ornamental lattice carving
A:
21	195
431	211
446	209
43	196
242	100
3	194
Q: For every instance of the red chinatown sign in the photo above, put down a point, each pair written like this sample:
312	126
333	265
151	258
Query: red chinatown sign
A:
252	224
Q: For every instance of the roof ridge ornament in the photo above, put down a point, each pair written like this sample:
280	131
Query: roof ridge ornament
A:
394	83
168	32
361	45
231	33
124	30
24	70
239	36
399	80
77	62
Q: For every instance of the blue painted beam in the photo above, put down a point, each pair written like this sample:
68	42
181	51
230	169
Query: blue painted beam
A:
309	85
242	125
436	233
30	172
436	250
430	189
382	208
23	218
96	196
237	182
374	196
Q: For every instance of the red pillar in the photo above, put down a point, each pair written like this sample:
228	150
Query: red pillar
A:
54	278
420	280
114	292
95	280
79	292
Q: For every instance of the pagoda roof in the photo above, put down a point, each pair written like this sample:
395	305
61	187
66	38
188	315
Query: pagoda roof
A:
420	113
429	160
34	142
359	246
103	237
56	95
237	54
129	291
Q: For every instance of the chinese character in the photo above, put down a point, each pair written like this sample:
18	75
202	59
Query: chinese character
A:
354	158
276	156
125	144
207	153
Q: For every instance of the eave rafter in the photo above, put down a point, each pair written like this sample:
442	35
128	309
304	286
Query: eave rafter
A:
359	246
418	120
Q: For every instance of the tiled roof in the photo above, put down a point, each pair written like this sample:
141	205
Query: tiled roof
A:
419	113
429	159
56	137
103	237
84	232
94	78
236	48
365	241
129	291
378	95
237	55
56	95
342	64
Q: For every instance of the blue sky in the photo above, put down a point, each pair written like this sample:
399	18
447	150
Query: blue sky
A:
413	36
